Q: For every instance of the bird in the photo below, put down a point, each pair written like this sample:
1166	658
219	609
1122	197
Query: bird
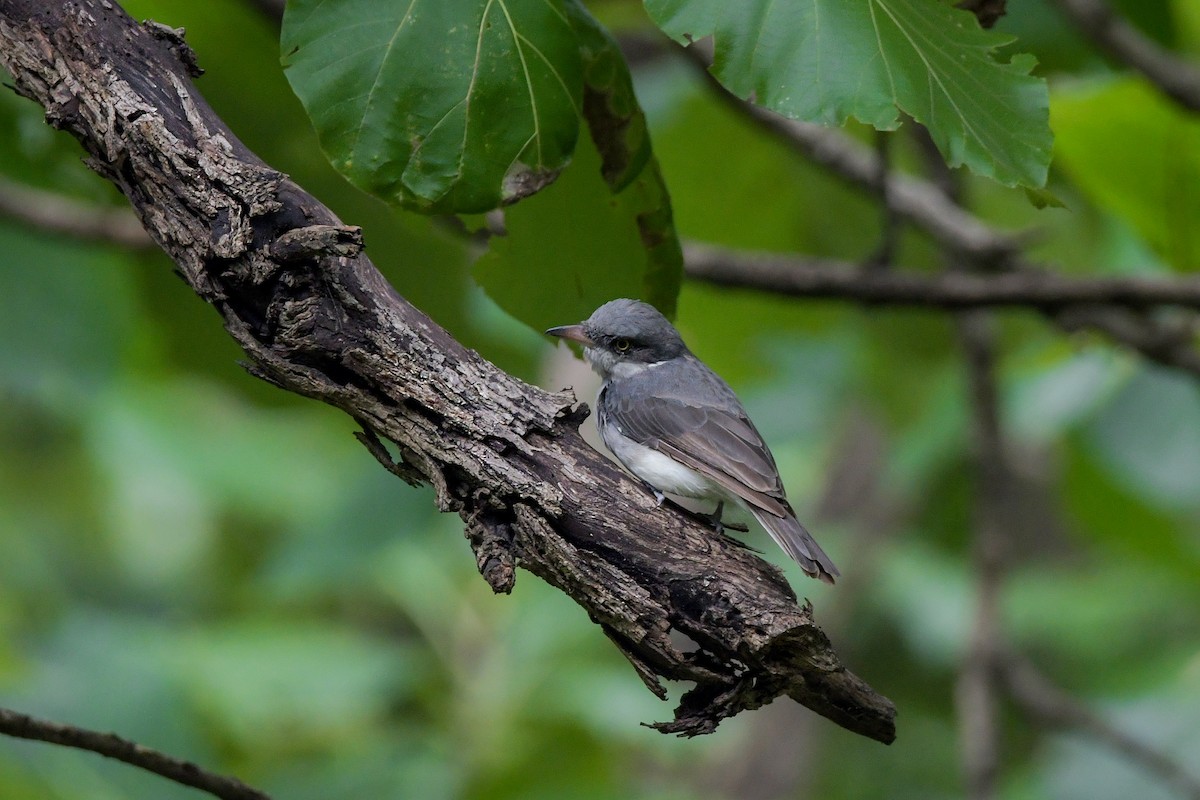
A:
678	426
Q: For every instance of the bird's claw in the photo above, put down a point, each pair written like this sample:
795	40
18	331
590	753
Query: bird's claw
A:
713	520
659	497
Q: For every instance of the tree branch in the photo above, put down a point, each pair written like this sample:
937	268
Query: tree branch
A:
504	455
1178	78
1043	701
977	692
839	280
110	745
912	199
52	212
961	233
1073	304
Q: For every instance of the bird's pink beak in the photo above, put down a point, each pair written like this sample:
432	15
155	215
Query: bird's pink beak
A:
573	332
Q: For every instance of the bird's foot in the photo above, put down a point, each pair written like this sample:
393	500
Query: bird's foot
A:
713	520
659	497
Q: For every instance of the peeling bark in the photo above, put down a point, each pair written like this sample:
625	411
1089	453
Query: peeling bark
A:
315	317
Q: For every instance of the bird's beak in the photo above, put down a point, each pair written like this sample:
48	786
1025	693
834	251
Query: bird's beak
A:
573	332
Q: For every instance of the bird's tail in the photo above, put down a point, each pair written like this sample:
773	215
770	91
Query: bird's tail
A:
798	543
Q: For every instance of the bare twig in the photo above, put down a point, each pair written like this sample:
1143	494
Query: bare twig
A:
1171	343
977	695
1108	305
912	199
110	745
52	212
1178	78
1044	701
889	224
932	209
840	280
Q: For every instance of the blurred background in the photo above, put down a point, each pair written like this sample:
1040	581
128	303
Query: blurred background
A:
214	568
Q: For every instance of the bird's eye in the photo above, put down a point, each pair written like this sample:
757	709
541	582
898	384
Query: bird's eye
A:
622	345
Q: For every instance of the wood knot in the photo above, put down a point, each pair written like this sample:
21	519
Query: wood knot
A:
315	241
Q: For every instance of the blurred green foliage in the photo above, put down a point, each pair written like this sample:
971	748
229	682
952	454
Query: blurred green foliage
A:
215	568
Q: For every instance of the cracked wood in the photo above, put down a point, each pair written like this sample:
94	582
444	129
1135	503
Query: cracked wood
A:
318	319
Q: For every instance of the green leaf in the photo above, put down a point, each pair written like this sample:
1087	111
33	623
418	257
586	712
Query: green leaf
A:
827	60
439	105
1043	198
577	245
610	107
1137	155
619	130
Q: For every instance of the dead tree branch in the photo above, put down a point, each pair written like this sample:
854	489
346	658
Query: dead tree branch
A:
505	456
112	746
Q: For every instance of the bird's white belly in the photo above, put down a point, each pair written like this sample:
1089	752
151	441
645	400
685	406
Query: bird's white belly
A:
662	472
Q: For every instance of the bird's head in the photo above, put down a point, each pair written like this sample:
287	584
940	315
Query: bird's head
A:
623	337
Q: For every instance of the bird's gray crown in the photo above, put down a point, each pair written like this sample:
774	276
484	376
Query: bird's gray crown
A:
634	330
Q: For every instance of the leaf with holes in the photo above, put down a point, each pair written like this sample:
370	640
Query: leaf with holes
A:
826	60
438	105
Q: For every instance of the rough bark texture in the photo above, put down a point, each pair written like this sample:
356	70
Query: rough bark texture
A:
317	318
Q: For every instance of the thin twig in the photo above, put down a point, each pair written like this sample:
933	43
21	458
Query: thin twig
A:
832	279
912	199
1178	78
977	691
1044	701
1111	306
889	224
174	769
52	212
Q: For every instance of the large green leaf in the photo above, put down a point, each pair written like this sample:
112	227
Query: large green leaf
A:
610	107
618	128
440	105
1137	155
569	249
826	60
605	229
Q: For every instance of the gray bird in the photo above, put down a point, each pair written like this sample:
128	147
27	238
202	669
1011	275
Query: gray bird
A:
676	425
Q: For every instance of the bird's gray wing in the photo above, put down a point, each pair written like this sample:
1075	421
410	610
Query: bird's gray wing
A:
719	443
699	422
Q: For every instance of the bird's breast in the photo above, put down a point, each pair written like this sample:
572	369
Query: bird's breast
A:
660	471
